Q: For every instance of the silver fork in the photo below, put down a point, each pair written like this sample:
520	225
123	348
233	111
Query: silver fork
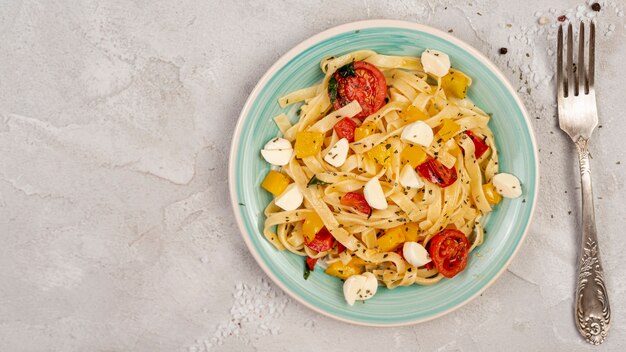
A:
578	117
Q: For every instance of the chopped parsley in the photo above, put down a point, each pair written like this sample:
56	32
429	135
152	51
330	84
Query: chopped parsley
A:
347	70
332	89
315	181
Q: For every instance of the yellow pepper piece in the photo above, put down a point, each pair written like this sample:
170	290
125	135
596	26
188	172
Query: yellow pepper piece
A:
367	129
411	231
392	238
448	129
308	143
342	271
453	148
311	226
413	113
492	196
356	261
275	182
413	155
381	153
455	83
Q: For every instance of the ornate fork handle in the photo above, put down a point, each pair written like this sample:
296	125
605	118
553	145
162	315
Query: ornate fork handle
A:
593	314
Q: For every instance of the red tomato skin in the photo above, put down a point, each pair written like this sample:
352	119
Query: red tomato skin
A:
449	251
357	201
340	248
322	242
310	262
368	87
480	147
345	129
435	172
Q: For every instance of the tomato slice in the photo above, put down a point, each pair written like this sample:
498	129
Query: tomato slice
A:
449	251
310	262
362	82
357	201
480	147
345	129
322	242
435	172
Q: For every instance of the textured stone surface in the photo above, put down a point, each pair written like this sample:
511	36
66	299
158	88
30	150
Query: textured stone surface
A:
115	124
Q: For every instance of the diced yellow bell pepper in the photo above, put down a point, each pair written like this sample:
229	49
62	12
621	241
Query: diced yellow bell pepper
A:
455	83
366	129
411	231
356	261
413	155
311	226
381	153
392	238
412	114
492	196
275	182
342	271
448	130
453	148
308	143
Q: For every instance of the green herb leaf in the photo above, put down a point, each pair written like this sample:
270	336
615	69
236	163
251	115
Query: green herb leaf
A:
307	271
347	70
332	89
315	181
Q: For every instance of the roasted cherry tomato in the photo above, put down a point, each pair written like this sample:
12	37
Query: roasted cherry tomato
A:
357	201
310	262
480	147
322	242
435	172
449	250
362	82
345	129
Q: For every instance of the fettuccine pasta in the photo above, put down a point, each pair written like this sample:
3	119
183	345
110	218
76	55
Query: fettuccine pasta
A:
385	161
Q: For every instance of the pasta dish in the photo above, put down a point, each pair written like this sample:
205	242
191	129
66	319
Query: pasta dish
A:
386	173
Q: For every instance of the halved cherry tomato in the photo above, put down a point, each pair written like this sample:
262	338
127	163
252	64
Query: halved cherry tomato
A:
322	242
435	172
310	262
364	83
357	201
480	147
449	250
345	129
340	248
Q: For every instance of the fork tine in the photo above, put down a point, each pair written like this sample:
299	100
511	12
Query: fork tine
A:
559	62
570	62
580	69
592	55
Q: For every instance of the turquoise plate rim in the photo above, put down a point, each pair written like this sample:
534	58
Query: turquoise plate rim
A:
284	60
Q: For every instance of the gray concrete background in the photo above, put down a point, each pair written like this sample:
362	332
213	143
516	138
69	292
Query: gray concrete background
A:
115	230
